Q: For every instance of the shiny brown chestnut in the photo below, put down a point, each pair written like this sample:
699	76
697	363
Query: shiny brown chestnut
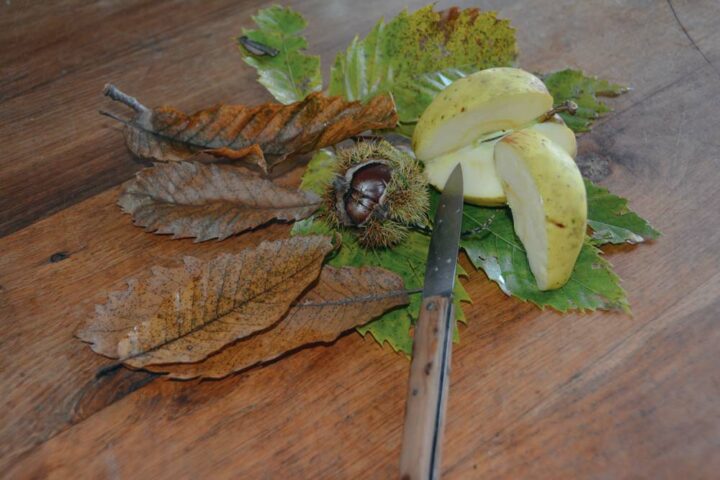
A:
378	191
367	190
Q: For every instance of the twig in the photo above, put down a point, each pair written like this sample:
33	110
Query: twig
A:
118	95
567	106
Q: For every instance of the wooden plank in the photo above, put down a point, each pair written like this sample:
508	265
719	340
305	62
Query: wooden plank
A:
534	394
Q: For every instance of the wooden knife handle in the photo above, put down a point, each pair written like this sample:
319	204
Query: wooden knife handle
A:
427	390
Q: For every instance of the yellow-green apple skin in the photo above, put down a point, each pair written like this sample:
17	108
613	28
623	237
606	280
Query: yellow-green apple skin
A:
486	101
547	198
556	130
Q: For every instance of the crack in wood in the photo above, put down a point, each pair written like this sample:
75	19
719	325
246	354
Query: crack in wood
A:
689	37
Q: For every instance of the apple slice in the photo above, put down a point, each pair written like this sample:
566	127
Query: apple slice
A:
481	183
547	197
487	101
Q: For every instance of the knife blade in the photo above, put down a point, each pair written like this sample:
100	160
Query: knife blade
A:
429	371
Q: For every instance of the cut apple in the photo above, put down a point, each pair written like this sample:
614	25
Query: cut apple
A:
547	198
530	167
482	185
472	107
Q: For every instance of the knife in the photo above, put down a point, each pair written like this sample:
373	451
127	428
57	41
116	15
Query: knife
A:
430	367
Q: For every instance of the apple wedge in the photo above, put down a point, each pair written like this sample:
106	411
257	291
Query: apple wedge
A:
488	101
481	183
547	198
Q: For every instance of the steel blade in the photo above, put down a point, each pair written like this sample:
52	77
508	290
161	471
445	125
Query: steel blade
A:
445	239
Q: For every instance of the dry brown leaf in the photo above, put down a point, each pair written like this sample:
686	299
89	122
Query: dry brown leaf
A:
209	201
184	314
267	134
342	299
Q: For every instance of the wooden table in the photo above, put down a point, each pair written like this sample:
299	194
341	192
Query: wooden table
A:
534	394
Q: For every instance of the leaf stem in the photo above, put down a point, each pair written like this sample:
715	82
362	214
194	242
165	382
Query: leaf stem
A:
114	117
482	228
118	95
425	230
568	106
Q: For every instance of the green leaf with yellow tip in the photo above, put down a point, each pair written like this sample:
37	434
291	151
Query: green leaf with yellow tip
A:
290	75
407	54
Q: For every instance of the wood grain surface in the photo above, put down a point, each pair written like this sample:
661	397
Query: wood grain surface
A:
533	395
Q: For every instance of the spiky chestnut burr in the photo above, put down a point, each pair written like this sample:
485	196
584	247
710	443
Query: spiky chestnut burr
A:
378	192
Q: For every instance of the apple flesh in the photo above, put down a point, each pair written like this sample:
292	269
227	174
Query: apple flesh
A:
547	198
487	101
481	183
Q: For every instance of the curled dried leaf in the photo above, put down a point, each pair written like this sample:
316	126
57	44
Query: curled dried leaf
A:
209	201
265	134
342	299
184	314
